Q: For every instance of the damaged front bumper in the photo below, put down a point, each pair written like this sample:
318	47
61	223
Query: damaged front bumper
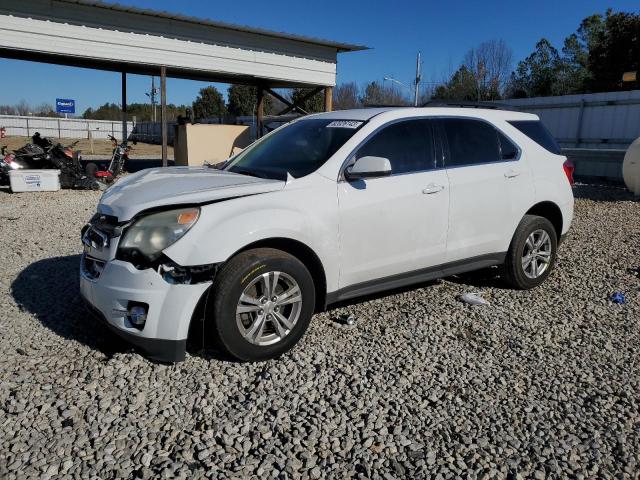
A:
111	289
151	308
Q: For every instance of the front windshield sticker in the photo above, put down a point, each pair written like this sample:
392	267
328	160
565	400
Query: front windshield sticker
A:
344	124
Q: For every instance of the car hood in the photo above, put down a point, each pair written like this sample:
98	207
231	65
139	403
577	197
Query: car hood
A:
157	187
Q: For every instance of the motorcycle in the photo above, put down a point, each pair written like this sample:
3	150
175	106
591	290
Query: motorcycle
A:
44	154
119	156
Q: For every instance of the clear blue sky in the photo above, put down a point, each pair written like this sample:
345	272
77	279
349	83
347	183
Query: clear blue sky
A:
396	30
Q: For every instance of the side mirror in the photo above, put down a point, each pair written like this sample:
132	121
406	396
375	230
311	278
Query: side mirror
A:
368	167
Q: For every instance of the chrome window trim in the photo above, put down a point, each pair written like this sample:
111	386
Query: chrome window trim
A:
350	158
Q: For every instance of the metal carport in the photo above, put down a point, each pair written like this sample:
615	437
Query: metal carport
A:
112	37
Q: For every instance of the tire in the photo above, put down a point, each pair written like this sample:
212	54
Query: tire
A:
245	275
519	273
91	169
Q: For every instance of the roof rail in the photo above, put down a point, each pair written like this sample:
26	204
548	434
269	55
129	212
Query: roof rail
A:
460	104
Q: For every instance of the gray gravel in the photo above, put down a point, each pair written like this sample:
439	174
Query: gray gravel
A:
539	384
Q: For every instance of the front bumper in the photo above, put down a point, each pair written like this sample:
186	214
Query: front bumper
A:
171	306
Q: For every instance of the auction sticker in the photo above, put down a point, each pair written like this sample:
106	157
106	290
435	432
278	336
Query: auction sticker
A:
344	124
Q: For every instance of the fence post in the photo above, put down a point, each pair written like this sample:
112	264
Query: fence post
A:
59	134
28	127
579	126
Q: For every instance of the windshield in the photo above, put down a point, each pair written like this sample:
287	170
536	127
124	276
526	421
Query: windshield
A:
298	149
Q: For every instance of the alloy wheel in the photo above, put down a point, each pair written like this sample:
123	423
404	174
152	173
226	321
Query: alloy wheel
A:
269	308
536	256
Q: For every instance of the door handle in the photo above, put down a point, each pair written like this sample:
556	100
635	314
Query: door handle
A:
432	188
511	173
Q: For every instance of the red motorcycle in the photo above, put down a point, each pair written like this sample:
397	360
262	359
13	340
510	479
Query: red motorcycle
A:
119	156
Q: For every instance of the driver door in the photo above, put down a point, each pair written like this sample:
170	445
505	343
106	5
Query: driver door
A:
396	224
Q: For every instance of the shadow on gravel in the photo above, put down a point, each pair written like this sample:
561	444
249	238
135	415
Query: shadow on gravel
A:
50	290
486	277
604	193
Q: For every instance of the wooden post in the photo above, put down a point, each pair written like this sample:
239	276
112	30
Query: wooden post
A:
163	114
260	111
328	99
124	107
59	134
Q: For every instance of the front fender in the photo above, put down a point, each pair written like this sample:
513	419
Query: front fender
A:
227	227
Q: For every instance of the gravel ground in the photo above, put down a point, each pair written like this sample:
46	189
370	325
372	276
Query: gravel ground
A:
537	384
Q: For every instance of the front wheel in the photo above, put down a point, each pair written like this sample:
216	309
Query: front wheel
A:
263	300
532	253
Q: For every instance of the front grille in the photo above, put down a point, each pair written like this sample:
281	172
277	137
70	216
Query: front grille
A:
91	267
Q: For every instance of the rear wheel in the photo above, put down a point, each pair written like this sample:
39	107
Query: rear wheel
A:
263	300
91	169
532	253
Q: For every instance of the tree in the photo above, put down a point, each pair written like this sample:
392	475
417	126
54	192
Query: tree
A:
345	96
22	108
461	87
489	65
536	76
243	101
574	74
376	94
310	105
141	111
209	104
615	50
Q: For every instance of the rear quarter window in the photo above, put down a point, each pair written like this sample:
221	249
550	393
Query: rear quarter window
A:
536	131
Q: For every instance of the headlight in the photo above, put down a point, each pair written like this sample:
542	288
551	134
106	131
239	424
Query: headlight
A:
155	232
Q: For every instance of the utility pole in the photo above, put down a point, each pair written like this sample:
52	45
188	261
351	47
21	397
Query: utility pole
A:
418	79
152	97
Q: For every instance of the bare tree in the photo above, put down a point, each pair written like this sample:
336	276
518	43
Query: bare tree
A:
490	64
22	107
345	96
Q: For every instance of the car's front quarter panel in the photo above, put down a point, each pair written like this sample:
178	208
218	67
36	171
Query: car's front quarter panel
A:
304	211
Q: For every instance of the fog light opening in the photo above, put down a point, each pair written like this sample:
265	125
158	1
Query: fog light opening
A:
137	314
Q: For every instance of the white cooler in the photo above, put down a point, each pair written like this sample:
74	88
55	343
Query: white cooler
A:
34	180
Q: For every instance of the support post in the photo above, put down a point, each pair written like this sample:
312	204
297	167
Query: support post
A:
260	111
124	107
328	99
163	113
579	126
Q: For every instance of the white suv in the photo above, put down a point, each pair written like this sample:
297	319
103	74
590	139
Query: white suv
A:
326	208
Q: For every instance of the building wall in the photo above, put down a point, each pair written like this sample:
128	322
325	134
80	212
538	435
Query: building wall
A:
608	120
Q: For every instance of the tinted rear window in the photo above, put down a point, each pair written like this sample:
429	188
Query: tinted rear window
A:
536	131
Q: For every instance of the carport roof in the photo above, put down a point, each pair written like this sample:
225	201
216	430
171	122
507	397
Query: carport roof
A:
339	46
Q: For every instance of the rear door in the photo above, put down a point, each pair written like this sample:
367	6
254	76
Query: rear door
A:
396	224
484	183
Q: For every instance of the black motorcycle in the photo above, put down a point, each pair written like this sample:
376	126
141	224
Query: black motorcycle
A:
42	153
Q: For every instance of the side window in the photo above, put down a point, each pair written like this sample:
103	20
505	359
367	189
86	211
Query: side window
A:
470	142
408	145
508	151
536	131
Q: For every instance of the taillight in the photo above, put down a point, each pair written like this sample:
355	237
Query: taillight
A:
569	168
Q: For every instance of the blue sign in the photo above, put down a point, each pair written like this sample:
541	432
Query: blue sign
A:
65	105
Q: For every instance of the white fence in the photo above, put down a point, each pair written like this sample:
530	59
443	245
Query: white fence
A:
603	121
26	126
